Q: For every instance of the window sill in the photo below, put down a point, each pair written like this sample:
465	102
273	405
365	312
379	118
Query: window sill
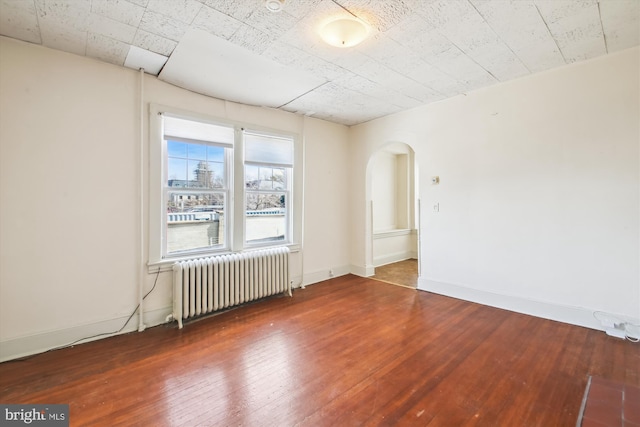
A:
167	264
393	233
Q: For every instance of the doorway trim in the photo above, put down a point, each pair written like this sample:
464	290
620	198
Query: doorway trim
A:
413	205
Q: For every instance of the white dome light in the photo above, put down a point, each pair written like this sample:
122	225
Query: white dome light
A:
344	32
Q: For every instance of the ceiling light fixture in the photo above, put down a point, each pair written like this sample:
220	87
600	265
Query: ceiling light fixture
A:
344	32
274	5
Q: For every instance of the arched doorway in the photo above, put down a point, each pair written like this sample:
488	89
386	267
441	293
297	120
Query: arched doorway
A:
392	187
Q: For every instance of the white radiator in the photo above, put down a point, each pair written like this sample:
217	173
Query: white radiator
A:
204	285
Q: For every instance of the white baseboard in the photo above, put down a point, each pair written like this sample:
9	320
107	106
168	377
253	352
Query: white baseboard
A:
42	342
579	316
39	343
296	282
366	271
391	258
319	276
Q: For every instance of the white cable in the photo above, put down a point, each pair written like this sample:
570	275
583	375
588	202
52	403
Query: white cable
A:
616	321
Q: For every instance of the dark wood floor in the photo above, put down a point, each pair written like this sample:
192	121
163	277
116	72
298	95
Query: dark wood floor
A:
347	352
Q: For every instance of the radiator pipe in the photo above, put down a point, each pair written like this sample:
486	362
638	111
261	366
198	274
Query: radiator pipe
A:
141	325
304	168
419	238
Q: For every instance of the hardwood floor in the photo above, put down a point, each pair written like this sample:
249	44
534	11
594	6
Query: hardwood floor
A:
346	352
404	273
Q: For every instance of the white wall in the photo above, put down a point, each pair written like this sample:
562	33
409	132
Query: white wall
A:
384	184
394	246
539	191
69	161
391	176
326	202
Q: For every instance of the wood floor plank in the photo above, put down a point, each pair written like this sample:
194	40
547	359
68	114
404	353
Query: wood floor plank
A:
346	352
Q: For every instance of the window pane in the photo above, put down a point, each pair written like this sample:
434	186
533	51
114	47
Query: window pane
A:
217	174
265	178
177	173
265	217
251	177
204	176
190	168
272	178
266	182
279	179
197	151
265	201
194	221
176	149
215	154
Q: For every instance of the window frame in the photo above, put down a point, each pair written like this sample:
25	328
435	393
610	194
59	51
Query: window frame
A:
225	190
235	207
287	191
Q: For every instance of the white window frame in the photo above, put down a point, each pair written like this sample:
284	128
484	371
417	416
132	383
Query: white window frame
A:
289	173
235	206
226	190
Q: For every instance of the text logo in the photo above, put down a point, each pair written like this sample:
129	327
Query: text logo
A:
34	415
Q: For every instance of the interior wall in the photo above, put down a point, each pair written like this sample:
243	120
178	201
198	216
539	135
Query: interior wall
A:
391	174
384	184
69	191
538	195
327	244
403	175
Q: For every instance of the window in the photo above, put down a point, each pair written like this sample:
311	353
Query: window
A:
196	185
218	188
267	176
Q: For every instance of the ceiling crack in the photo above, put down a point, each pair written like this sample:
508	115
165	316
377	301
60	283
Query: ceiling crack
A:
604	35
550	33
499	38
303	94
345	9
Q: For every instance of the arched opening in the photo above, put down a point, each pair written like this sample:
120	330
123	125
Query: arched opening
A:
392	188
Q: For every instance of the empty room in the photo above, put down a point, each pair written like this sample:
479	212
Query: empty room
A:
320	212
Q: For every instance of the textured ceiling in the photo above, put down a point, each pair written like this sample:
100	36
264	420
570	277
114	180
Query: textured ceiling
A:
418	51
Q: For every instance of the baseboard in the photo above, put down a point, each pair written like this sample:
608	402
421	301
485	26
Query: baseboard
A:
321	275
391	258
39	343
366	271
296	282
579	316
33	344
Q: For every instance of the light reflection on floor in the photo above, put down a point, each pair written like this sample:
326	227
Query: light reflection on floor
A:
222	391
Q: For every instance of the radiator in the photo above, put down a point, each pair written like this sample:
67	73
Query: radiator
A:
204	285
